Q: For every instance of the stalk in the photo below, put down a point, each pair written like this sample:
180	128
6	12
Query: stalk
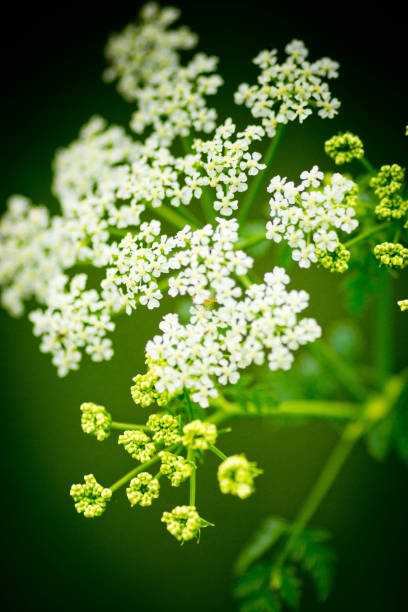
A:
260	177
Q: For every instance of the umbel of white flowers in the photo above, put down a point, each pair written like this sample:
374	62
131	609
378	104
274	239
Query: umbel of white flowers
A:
109	184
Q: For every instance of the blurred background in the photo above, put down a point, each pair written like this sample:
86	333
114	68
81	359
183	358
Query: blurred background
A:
52	65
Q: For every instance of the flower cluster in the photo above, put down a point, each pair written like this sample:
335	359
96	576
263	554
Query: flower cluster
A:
90	498
236	476
392	255
199	435
175	467
33	250
138	444
227	163
75	318
289	91
184	523
170	97
95	421
165	428
143	489
307	216
343	148
387	187
219	342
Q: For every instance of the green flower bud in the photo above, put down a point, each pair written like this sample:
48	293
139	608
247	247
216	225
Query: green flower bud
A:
199	435
236	476
165	428
176	468
137	444
403	304
336	261
90	498
388	181
143	489
392	255
343	148
95	421
184	523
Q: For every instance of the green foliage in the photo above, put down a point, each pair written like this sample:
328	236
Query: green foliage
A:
359	285
391	433
271	568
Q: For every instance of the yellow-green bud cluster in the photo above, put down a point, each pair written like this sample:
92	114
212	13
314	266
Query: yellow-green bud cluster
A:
236	476
403	304
336	261
387	186
165	428
184	523
90	498
199	435
144	392
95	420
343	148
176	468
137	444
392	255
143	489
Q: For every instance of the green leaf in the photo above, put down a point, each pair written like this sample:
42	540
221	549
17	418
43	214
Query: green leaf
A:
316	558
291	587
264	602
269	533
379	440
251	581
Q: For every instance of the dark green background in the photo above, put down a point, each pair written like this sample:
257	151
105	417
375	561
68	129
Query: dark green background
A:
52	62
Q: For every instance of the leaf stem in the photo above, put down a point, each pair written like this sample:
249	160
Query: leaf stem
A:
256	184
217	452
351	433
366	234
193	479
118	425
367	165
140	468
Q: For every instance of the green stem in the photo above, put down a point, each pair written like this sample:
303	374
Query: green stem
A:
315	409
217	452
383	326
257	182
367	165
338	366
168	214
350	435
193	481
117	425
366	234
141	468
251	241
189	404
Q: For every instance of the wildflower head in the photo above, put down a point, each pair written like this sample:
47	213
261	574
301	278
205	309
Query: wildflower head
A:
391	255
387	187
95	420
144	393
90	498
143	489
165	428
236	476
184	523
199	435
343	148
176	468
137	444
336	261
